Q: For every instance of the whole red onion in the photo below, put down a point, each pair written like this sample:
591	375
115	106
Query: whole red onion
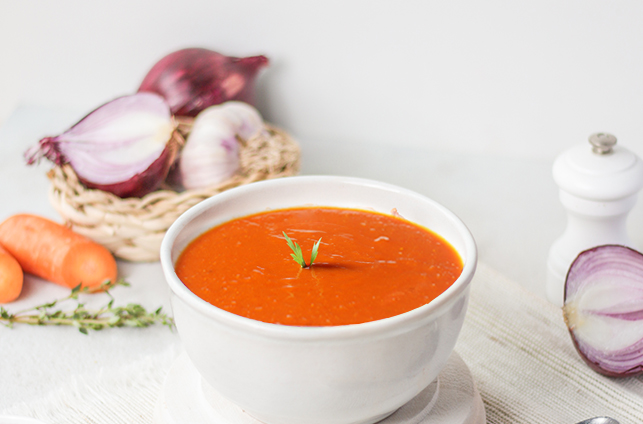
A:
193	79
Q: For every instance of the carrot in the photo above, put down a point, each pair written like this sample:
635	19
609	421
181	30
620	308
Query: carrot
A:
56	253
11	277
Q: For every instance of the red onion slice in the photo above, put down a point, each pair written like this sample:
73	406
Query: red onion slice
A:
604	309
125	147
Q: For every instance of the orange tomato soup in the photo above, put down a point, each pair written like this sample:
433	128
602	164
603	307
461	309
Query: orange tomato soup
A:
369	266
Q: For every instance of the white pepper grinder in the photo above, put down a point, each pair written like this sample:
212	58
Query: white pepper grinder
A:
599	185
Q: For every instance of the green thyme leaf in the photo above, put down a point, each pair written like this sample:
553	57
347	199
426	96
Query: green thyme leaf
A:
297	254
132	315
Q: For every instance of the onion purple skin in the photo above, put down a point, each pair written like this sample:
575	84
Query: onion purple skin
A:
193	79
626	266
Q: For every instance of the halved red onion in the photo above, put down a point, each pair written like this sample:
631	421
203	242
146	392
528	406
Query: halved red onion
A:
124	147
604	309
193	79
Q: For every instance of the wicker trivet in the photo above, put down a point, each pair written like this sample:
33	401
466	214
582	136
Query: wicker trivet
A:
133	228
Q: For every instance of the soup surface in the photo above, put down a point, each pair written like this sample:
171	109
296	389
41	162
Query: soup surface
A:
369	266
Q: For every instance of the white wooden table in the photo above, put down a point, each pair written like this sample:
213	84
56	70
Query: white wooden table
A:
511	207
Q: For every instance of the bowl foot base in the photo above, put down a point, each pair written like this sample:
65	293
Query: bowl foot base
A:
451	399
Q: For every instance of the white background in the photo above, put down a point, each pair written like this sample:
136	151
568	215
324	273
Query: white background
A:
522	79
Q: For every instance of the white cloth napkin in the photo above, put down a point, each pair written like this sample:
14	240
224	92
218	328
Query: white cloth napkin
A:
515	344
525	365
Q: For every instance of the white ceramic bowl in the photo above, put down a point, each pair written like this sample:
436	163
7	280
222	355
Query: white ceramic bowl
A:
319	375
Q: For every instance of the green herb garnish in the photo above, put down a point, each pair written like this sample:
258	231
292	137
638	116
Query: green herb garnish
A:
132	315
297	254
313	254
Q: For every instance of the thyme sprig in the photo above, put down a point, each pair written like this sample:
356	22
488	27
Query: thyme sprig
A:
297	254
131	315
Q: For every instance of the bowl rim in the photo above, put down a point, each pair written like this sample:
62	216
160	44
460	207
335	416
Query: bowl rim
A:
401	322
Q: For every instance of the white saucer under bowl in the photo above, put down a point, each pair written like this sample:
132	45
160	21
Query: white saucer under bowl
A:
451	399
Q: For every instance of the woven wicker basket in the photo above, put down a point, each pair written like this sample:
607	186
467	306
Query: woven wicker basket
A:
133	228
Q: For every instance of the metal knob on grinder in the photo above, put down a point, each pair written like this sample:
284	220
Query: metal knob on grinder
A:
598	185
602	143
